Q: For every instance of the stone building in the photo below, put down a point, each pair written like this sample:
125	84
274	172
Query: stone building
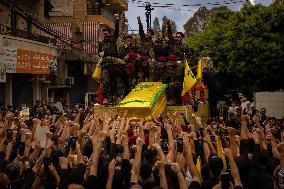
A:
52	57
82	21
26	52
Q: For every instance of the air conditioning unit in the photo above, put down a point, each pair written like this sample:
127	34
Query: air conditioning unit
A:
69	81
78	29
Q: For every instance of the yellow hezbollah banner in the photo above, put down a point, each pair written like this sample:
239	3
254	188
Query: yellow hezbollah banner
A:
97	73
147	99
189	79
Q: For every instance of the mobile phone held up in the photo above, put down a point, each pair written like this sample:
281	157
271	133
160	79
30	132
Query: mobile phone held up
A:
225	180
72	142
46	162
9	134
179	144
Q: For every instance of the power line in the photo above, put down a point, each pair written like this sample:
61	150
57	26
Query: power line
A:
172	5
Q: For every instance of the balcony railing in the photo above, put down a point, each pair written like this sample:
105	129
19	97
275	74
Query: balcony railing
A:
31	36
107	15
93	9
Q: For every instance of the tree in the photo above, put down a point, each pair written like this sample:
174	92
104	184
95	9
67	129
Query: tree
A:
156	26
201	19
248	48
198	22
174	26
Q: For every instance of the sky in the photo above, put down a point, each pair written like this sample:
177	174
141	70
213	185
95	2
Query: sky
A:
180	17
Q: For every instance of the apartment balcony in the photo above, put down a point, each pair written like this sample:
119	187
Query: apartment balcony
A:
28	35
122	3
100	15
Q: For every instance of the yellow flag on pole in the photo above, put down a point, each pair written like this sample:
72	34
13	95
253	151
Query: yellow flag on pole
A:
189	79
98	71
199	69
198	166
221	154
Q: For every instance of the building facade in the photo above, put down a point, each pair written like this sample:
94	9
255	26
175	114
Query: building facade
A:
81	22
26	52
52	58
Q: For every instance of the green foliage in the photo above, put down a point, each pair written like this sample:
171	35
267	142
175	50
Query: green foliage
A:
174	26
248	47
201	19
156	26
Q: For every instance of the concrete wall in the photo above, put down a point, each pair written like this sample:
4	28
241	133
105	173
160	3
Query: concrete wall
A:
272	101
62	8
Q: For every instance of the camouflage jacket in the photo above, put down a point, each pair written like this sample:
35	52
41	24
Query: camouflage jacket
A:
146	48
109	45
179	50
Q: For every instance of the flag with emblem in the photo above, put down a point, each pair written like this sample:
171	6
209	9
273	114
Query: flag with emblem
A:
189	79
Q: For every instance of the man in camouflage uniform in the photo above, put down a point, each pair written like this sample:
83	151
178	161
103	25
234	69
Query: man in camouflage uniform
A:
158	67
178	47
174	76
116	69
146	48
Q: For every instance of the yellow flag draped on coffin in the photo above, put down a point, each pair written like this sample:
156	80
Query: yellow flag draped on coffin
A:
189	79
146	100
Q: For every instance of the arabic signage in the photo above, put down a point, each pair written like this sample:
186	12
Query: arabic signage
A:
11	60
33	62
2	73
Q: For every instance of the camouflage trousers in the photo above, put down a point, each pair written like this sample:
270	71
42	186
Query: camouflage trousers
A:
169	74
115	81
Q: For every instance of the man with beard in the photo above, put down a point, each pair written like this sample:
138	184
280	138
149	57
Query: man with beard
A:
178	47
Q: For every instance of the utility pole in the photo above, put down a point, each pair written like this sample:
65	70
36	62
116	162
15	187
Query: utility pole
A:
148	9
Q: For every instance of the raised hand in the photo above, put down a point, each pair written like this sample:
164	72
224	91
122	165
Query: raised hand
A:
63	162
111	167
160	164
176	167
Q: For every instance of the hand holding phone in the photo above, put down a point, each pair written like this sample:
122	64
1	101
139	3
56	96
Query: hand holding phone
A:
72	142
179	144
9	134
225	180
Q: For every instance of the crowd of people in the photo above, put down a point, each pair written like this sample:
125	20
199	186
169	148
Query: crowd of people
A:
83	150
158	58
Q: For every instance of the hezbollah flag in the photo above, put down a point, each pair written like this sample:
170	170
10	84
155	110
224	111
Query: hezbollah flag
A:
189	79
98	71
221	154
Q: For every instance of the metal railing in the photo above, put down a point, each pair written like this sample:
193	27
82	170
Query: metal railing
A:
107	15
